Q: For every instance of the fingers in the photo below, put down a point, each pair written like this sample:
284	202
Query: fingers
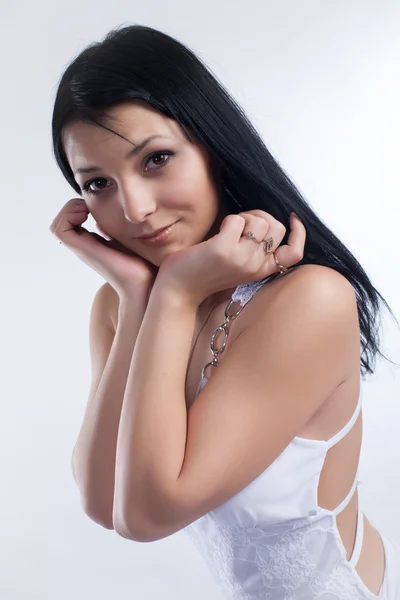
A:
256	225
287	255
234	229
264	226
75	207
293	252
70	219
231	229
268	227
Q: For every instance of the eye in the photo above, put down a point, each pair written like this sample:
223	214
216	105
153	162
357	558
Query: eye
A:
157	155
87	186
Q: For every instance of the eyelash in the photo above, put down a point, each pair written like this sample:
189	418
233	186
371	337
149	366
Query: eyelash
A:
87	184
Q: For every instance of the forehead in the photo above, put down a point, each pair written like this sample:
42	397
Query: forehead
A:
134	120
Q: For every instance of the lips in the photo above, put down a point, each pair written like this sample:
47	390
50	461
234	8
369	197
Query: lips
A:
160	238
155	233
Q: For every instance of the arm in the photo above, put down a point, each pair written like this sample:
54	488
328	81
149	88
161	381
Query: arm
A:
152	433
174	466
93	460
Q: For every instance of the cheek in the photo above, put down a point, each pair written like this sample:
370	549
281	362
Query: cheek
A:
202	197
102	232
108	220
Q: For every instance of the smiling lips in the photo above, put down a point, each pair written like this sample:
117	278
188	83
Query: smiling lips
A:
159	237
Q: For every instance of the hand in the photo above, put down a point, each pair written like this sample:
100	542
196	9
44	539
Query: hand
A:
229	258
122	268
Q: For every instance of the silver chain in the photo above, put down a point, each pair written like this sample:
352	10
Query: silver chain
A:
225	330
246	294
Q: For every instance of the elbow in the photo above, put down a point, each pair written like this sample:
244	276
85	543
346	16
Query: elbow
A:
99	514
100	519
96	506
136	530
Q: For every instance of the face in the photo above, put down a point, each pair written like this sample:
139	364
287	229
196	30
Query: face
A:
171	180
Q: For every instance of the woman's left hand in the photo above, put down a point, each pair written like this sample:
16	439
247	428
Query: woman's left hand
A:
230	258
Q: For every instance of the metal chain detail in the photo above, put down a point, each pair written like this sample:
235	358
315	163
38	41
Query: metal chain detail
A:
225	330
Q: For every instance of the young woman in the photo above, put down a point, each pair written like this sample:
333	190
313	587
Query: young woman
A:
253	447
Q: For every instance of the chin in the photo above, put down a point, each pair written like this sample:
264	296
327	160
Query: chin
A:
162	255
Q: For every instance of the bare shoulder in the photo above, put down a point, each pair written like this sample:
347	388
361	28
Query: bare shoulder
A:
309	288
321	280
311	311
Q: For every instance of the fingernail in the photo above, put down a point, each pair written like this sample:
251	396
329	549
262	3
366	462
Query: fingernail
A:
294	214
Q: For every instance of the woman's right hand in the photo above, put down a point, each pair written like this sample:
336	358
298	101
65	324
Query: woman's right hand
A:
122	268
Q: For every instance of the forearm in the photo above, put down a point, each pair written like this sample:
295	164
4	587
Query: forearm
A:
153	427
95	449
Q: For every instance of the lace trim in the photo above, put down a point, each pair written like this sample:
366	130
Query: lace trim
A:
244	293
283	563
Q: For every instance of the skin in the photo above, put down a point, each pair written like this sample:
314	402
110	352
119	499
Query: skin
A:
140	198
139	195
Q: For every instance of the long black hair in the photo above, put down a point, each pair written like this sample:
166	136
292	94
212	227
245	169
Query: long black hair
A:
136	62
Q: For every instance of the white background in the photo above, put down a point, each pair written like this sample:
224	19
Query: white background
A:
320	80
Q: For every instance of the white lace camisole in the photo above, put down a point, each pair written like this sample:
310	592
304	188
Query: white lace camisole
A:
272	541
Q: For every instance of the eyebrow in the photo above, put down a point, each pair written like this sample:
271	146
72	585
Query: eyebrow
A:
137	148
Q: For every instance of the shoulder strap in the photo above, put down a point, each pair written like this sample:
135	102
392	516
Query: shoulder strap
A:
244	293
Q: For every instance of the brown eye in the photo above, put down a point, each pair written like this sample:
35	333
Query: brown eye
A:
156	156
87	187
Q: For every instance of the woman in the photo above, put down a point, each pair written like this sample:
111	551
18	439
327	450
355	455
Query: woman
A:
259	466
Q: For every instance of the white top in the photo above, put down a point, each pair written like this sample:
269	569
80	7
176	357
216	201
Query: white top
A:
272	540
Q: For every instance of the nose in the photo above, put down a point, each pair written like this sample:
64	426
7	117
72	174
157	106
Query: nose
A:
137	205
